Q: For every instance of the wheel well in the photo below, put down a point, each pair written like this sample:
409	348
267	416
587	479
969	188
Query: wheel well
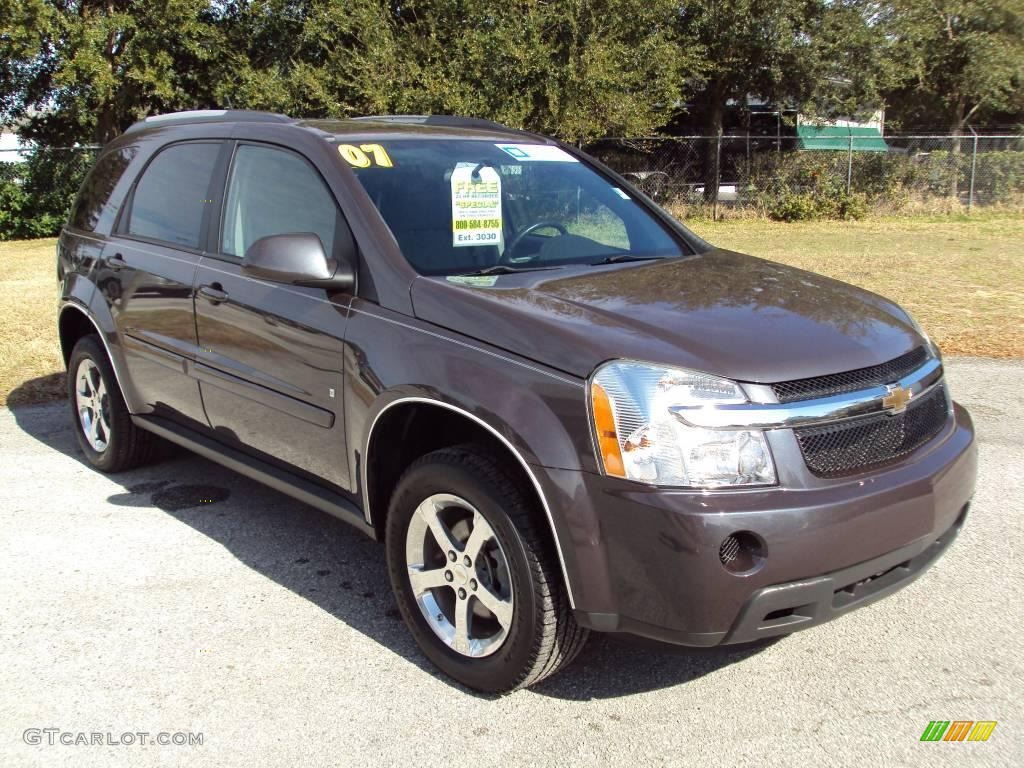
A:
409	430
73	326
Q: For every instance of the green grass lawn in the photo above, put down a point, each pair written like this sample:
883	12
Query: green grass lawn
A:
29	351
962	278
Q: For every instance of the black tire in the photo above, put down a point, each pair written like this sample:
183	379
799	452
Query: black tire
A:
543	636
127	446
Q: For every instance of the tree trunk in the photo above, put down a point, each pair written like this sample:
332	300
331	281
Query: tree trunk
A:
106	125
714	120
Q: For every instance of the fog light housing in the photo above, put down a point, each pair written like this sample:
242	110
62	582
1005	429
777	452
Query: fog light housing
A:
742	553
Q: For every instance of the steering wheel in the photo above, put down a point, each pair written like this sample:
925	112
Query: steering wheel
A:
517	238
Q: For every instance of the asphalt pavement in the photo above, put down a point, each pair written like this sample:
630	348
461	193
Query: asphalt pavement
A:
182	599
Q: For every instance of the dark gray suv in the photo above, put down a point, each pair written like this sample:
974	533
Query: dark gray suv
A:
559	409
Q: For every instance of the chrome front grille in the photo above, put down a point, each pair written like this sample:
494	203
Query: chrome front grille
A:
862	419
853	445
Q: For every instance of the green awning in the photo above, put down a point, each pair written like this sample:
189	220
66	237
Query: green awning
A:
837	138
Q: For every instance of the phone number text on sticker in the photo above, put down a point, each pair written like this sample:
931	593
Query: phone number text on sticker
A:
476	205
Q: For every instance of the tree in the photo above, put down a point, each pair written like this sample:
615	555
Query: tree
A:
83	70
287	56
753	48
814	55
961	59
569	67
609	67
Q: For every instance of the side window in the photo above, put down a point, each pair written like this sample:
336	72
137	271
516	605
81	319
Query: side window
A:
275	192
172	194
98	186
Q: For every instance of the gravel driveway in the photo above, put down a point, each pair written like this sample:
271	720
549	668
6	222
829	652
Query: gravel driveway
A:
183	598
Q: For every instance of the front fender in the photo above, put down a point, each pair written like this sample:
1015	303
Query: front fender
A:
538	414
541	413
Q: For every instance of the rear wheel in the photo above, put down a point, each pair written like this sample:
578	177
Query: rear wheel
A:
103	426
474	574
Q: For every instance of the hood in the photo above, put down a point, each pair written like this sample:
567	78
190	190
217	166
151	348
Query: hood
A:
719	312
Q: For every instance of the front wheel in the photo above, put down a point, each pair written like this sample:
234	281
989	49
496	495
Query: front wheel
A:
475	576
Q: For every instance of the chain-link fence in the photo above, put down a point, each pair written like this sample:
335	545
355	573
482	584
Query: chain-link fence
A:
780	177
824	176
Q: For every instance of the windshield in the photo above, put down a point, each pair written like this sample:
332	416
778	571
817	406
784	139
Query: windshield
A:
461	206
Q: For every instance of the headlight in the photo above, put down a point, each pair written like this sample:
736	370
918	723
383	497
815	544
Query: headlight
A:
639	438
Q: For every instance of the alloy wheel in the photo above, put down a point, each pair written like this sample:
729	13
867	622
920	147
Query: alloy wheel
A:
93	405
459	575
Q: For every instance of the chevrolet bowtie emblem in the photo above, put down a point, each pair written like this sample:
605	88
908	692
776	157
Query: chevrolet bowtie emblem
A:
897	399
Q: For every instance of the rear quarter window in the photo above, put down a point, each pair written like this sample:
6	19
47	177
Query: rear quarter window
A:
98	186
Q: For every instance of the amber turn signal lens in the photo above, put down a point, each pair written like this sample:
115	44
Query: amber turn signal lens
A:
607	437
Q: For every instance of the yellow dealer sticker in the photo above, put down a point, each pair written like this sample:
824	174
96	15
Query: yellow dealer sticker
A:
365	155
476	205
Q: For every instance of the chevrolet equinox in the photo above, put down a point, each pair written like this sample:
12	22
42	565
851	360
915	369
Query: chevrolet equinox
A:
560	409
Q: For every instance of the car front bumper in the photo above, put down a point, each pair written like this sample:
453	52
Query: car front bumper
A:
645	561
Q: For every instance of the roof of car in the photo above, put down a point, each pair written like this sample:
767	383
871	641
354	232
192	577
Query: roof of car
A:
380	126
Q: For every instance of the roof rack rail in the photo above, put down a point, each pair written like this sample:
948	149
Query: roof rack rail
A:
453	121
209	116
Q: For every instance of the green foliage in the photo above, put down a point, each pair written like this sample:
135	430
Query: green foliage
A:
957	59
574	68
13	201
798	186
36	195
830	203
76	72
819	54
999	176
570	68
83	70
80	71
793	206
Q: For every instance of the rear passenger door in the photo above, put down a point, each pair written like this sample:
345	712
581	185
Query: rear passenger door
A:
148	269
270	354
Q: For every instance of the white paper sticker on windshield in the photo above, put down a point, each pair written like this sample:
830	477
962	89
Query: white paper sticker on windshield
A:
477	281
620	193
476	205
537	153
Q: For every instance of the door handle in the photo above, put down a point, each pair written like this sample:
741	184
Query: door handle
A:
117	262
214	293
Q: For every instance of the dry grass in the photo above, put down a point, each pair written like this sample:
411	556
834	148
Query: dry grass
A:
962	278
30	361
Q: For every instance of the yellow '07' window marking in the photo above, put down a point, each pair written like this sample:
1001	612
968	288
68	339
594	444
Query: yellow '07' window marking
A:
365	155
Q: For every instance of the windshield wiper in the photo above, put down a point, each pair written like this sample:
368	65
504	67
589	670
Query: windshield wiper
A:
501	269
619	257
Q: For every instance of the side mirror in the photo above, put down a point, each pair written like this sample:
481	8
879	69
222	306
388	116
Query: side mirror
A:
297	258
